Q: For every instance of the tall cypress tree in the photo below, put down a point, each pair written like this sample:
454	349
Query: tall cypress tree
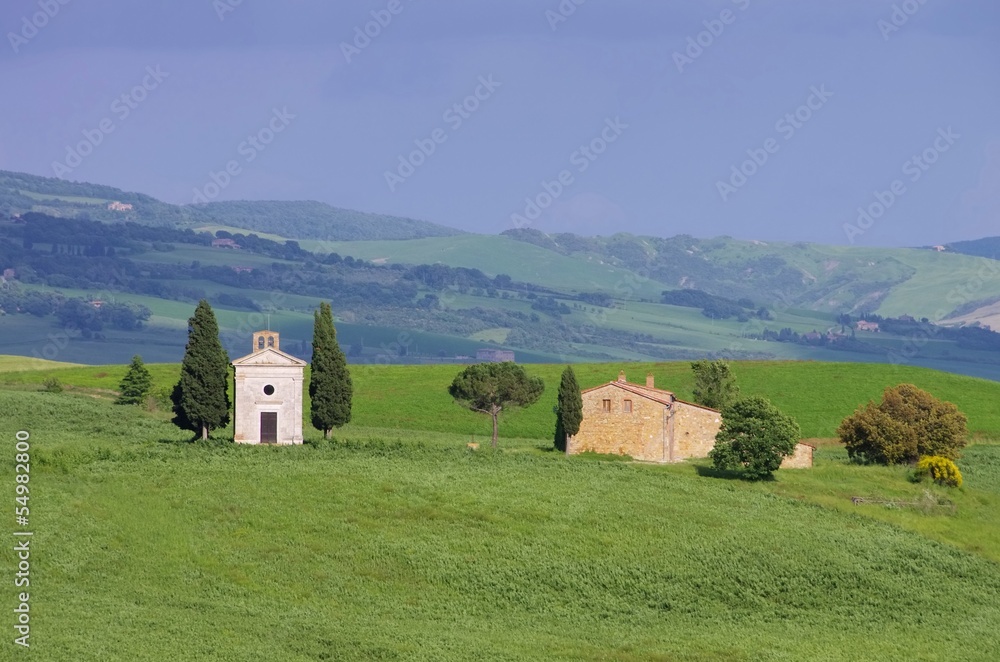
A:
569	408
201	398
330	387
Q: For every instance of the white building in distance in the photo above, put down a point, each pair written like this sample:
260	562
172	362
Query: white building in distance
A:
268	394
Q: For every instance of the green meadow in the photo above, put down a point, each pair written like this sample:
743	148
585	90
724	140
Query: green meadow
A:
395	541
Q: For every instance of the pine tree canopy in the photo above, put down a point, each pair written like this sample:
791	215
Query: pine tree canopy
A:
135	384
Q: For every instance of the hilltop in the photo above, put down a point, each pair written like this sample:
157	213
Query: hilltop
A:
21	192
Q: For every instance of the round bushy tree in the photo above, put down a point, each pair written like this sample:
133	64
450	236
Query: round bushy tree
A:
906	425
755	437
135	384
490	388
569	408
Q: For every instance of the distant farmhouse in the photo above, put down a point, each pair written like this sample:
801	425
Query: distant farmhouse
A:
651	424
494	355
225	243
867	326
119	206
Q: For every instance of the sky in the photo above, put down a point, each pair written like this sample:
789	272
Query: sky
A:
864	122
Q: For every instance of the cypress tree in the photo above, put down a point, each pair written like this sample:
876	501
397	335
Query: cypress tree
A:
135	384
201	397
569	408
330	387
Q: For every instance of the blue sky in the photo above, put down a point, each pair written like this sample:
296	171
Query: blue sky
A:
783	121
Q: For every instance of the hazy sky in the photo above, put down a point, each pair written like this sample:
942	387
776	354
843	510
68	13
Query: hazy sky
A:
669	101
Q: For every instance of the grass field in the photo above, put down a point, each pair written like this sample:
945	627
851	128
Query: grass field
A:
398	545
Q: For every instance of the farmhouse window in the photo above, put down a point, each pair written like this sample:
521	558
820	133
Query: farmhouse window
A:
628	407
607	405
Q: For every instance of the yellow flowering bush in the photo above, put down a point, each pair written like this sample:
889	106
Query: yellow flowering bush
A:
940	469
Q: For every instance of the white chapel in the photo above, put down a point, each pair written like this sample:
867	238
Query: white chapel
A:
268	394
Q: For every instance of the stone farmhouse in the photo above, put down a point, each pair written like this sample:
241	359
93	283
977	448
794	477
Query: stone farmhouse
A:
652	425
494	355
268	394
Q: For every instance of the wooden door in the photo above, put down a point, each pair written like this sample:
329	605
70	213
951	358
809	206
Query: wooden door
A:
269	427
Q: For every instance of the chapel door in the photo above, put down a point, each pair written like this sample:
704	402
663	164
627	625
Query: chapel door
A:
269	427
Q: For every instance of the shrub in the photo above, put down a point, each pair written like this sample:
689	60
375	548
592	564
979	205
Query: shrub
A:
940	469
52	385
755	437
906	425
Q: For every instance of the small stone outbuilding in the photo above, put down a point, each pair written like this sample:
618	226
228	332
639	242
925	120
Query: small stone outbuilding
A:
268	394
802	458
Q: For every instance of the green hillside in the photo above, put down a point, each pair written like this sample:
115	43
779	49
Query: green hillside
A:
888	281
400	544
314	220
502	255
817	395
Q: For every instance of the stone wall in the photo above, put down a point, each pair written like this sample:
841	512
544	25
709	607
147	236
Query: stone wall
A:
694	430
649	432
802	458
640	434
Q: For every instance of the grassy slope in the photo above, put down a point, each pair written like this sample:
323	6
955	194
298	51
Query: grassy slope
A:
818	395
940	279
500	255
150	549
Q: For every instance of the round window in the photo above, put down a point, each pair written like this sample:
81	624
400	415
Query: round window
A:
268	390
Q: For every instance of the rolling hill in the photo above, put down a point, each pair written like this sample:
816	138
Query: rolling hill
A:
21	192
406	291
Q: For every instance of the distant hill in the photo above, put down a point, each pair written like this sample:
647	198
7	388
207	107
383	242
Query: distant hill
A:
314	220
985	247
410	291
22	192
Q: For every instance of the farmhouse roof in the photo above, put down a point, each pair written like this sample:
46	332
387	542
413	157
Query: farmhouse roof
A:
655	394
269	356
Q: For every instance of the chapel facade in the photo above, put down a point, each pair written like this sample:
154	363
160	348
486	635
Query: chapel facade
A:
268	394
